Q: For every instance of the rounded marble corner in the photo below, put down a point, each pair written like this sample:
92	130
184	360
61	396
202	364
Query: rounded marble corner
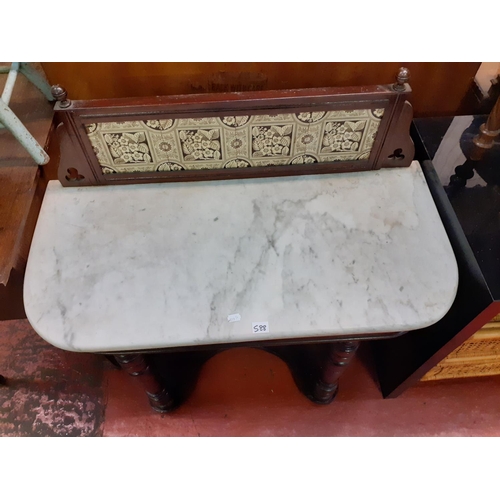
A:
447	305
53	340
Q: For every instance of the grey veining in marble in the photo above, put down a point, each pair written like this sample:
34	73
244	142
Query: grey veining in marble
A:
160	265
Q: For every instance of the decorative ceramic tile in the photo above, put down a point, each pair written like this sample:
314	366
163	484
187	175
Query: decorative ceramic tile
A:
271	141
117	125
308	138
165	146
159	124
311	117
197	122
200	145
127	148
339	137
234	141
272	118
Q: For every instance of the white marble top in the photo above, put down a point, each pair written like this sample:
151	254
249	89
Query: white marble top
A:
160	265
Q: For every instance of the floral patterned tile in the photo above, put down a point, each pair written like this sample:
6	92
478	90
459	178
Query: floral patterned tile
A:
128	147
342	136
234	141
312	117
200	144
271	140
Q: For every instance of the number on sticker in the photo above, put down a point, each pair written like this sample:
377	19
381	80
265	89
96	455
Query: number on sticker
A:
261	327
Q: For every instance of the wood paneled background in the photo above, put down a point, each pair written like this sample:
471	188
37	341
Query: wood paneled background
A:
438	88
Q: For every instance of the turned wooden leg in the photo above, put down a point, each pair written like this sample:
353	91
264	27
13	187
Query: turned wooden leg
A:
487	133
338	357
462	174
137	366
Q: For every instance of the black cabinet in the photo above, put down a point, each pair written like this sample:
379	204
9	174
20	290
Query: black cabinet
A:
471	216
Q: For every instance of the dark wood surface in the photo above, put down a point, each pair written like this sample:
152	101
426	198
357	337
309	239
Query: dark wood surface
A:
11	297
197	105
439	87
393	146
22	185
18	189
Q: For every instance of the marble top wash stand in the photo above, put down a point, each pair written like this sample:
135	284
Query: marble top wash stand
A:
304	266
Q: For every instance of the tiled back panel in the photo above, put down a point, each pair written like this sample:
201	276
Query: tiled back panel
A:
234	141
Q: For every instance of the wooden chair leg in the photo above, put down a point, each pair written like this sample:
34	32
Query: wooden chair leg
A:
336	361
481	143
136	365
12	123
488	132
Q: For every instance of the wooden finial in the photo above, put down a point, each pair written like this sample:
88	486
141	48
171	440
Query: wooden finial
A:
402	78
60	94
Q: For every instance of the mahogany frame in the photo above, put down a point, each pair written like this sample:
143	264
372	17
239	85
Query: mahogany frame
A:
393	146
